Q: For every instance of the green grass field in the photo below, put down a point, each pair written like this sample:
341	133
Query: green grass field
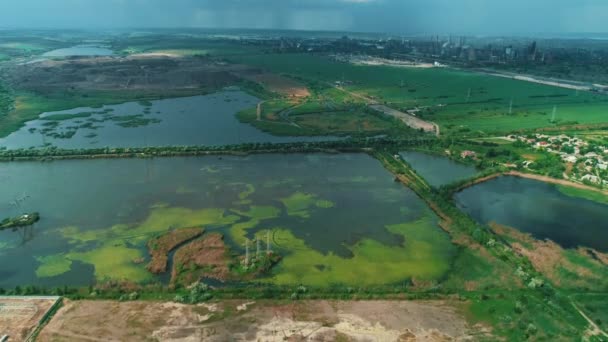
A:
524	316
581	193
595	305
459	101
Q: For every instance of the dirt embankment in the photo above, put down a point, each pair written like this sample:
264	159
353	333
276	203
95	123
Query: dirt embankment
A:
548	179
160	247
208	257
261	321
541	178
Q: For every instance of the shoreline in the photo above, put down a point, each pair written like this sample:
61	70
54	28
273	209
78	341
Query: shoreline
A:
540	178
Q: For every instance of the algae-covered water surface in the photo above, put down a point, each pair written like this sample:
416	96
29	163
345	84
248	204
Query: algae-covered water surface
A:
333	218
196	120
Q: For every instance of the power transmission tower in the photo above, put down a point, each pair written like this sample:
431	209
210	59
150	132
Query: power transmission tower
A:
246	252
268	250
257	248
511	107
553	115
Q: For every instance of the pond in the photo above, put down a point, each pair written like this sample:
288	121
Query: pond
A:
79	50
437	170
539	209
333	218
197	120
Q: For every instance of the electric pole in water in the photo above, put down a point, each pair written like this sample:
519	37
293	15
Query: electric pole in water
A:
257	248
246	252
268	251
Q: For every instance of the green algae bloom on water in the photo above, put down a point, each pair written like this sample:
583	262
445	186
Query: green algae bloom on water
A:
329	221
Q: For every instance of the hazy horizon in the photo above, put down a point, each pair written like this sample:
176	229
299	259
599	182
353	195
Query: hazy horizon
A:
474	17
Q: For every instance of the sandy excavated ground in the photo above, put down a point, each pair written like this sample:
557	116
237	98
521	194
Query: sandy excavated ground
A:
20	316
408	119
277	83
258	321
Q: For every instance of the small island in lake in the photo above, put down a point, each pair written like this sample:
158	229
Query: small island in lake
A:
20	221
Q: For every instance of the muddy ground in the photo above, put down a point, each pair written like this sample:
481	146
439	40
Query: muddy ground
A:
142	72
258	321
111	73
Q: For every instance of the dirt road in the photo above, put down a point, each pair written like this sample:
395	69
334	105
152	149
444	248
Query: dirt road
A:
410	120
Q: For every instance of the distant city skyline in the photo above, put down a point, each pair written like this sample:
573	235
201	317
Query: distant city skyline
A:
478	17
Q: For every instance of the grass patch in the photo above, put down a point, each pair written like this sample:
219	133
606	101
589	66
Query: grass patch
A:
595	306
116	246
582	193
521	316
459	101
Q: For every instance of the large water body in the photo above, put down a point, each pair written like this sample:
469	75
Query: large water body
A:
197	120
539	209
95	195
437	170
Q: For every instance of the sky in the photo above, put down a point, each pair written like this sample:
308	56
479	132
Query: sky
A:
390	16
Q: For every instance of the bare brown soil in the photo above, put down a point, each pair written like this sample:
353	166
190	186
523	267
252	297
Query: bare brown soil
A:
259	321
160	247
410	120
20	316
207	257
113	73
277	83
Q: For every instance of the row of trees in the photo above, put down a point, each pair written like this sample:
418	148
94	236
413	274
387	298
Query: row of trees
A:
343	144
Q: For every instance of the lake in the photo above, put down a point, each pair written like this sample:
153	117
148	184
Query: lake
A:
80	50
197	120
437	170
539	209
333	218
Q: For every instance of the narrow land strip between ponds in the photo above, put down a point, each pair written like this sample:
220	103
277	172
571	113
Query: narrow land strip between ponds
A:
541	178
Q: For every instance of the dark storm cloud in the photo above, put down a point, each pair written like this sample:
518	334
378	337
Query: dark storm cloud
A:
396	16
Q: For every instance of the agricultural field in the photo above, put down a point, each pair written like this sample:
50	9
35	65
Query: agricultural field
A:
460	102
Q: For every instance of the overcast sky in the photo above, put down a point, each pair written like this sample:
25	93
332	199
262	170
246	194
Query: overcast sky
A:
393	16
